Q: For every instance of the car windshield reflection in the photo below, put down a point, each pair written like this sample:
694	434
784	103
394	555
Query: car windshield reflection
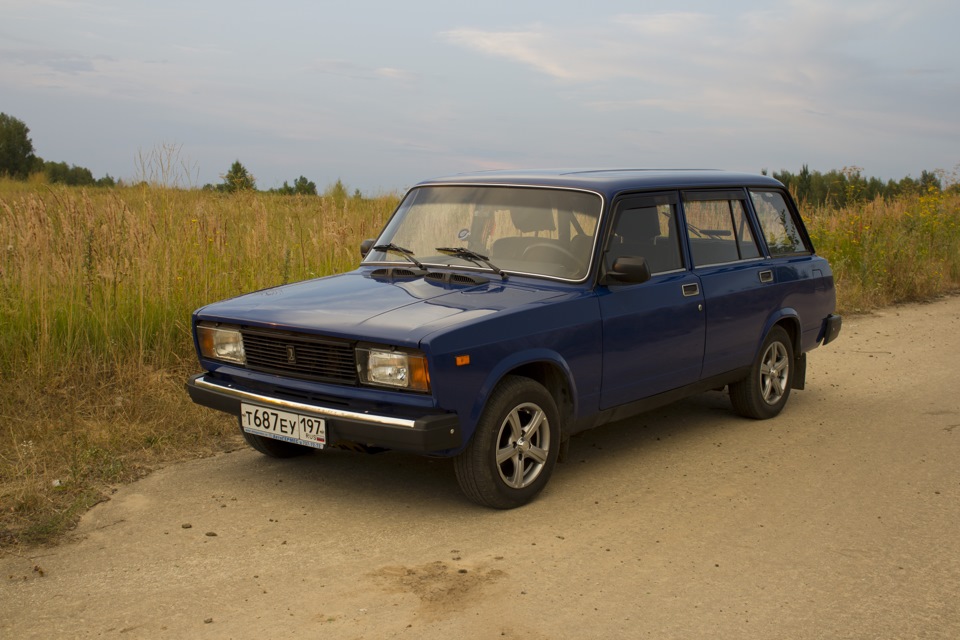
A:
533	231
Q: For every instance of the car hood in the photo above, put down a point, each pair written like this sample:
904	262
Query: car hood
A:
357	306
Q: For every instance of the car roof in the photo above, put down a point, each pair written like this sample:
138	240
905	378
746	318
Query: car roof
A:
610	182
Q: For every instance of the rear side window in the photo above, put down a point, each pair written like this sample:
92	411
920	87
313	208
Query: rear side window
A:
777	222
718	228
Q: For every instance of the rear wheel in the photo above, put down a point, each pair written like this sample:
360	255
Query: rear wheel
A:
764	392
273	448
514	450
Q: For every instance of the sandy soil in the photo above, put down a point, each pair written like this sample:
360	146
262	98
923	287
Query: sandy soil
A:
838	519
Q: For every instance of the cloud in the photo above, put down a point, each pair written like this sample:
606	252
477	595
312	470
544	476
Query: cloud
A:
400	75
343	68
204	49
51	61
357	71
666	26
100	76
535	48
679	44
806	59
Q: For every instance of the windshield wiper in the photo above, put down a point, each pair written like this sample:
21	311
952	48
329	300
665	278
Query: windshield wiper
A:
472	256
406	253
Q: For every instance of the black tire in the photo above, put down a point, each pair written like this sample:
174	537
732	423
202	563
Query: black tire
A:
514	449
764	392
274	448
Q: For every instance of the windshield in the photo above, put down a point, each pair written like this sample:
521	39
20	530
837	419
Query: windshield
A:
546	232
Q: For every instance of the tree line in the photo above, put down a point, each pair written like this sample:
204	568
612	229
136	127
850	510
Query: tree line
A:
848	186
18	160
238	178
834	188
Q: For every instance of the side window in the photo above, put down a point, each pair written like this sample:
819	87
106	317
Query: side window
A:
646	227
778	224
718	228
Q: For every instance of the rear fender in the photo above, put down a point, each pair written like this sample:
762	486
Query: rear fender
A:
790	321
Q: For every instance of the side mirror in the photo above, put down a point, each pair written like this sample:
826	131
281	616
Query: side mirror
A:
627	270
365	247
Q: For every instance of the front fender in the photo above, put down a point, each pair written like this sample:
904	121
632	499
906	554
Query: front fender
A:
515	362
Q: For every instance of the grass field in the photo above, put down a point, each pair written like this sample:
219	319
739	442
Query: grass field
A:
97	287
96	291
888	252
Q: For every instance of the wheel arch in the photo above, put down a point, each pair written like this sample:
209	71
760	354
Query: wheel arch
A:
556	382
789	321
544	367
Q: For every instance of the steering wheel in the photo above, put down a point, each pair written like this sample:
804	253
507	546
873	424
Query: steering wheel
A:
567	258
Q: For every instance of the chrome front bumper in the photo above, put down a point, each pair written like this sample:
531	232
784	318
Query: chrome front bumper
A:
431	434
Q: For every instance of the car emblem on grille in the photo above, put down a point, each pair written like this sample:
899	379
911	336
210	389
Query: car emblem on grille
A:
291	354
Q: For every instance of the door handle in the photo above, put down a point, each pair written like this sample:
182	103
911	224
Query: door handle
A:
691	289
766	276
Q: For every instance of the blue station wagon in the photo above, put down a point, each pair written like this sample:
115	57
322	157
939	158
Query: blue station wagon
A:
500	313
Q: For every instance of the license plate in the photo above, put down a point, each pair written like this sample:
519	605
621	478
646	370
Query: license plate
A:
298	428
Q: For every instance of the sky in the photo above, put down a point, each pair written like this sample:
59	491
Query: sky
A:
382	94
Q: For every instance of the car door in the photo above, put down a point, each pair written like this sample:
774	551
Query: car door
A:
653	332
736	282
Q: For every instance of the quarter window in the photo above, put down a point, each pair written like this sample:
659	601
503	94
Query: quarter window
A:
779	227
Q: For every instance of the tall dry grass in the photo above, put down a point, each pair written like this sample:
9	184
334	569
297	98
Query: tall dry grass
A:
96	291
887	252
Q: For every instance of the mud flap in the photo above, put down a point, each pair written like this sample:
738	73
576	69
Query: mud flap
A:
799	371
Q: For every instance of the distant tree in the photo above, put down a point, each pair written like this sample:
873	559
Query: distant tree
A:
875	189
301	187
62	173
803	183
338	192
304	187
908	185
237	179
16	149
930	180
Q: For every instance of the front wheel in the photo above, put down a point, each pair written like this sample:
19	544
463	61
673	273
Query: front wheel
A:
514	449
764	392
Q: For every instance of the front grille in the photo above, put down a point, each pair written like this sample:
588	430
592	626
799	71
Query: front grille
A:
300	355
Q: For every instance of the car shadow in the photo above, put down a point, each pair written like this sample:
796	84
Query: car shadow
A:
393	480
646	430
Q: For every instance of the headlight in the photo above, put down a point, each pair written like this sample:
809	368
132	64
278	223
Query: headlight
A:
399	369
221	343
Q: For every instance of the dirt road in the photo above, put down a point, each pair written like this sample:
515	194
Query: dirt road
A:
839	519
